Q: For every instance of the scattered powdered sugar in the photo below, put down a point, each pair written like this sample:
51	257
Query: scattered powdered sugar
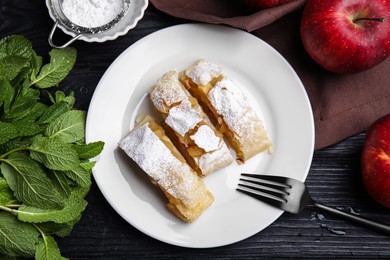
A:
217	153
183	117
206	139
212	161
149	152
91	13
203	72
167	91
231	103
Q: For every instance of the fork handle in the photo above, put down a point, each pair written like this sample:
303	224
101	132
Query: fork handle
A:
364	221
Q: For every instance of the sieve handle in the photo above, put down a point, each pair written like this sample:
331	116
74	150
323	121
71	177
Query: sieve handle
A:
52	44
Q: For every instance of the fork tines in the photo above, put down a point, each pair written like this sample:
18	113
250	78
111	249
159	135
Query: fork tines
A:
267	188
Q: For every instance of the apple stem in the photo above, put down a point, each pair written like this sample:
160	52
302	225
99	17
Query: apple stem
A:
381	19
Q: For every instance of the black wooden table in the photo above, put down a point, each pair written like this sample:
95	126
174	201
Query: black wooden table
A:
334	178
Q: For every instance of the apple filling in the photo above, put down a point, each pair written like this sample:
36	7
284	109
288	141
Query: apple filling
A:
188	126
228	107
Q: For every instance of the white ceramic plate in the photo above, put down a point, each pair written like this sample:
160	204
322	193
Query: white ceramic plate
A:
276	93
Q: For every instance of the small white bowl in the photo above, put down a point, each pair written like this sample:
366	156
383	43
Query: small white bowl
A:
133	12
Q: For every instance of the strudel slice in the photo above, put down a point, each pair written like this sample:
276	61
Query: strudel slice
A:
188	126
155	154
229	106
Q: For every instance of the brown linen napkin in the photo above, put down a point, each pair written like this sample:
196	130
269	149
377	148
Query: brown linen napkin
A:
343	105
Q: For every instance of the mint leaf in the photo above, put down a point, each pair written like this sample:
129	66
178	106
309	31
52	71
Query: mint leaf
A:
88	151
61	62
70	99
53	112
53	154
6	195
15	54
8	132
17	143
21	128
68	128
37	110
36	64
88	165
23	102
59	229
73	208
80	176
7	94
59	96
10	66
18	239
27	127
61	183
29	182
81	192
17	45
49	95
48	249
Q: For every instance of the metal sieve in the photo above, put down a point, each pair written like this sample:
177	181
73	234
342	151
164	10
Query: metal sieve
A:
80	32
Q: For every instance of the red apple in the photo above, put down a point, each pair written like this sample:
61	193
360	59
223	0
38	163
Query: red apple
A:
263	4
375	161
346	36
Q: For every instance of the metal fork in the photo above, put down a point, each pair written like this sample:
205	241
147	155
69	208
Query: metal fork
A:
292	196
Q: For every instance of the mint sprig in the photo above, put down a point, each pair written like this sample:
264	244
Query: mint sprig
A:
45	164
